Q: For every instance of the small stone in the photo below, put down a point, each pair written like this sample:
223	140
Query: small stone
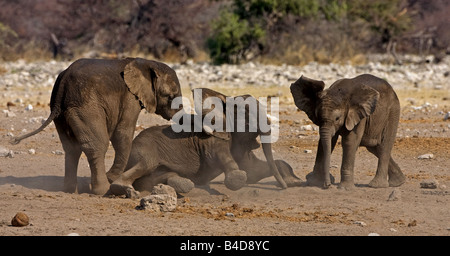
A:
432	184
29	107
447	116
20	220
73	234
10	114
31	151
426	156
306	127
229	214
58	152
373	234
307	151
4	152
394	196
413	223
361	223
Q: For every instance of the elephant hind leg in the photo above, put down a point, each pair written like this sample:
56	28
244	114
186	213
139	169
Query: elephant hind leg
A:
396	176
165	176
72	155
92	136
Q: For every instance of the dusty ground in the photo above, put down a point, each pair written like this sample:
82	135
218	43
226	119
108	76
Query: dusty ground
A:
31	183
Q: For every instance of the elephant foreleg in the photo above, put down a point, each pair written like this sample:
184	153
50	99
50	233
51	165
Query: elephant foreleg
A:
234	177
316	177
121	140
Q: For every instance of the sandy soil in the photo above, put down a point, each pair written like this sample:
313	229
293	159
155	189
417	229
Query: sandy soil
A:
32	183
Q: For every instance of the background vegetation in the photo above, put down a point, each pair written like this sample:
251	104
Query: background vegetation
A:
222	31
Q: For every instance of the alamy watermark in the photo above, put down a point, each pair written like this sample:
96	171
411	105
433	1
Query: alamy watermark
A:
235	114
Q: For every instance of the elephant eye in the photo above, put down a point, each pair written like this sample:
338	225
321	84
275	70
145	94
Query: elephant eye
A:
337	118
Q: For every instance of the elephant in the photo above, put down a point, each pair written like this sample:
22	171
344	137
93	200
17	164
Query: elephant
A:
180	159
255	169
95	101
364	111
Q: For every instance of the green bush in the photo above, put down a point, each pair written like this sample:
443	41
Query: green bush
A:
249	28
233	38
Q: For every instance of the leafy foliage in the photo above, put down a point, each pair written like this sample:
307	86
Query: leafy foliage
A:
241	31
233	38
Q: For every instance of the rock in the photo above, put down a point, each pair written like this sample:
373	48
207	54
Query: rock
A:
20	220
306	128
4	152
29	107
162	199
10	114
447	116
58	152
432	184
31	151
361	223
426	156
307	151
395	195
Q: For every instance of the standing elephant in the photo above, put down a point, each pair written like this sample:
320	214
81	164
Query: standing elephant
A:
162	155
365	111
96	101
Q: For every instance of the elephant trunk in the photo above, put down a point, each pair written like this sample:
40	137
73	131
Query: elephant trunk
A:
325	138
267	148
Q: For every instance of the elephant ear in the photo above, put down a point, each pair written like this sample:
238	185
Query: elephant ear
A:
141	79
306	95
362	104
209	115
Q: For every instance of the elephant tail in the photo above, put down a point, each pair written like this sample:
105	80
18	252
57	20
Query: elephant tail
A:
52	116
55	106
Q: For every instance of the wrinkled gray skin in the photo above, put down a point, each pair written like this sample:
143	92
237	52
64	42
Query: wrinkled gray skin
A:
160	155
96	101
365	111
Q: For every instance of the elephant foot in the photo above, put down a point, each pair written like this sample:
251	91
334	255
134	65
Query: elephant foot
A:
397	179
127	190
379	183
346	185
293	181
287	173
316	180
100	189
180	184
70	188
235	179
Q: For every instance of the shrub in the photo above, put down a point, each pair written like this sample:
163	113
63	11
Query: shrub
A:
233	39
251	28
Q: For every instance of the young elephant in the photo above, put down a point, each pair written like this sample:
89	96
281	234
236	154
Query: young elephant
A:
96	101
365	111
255	169
173	157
